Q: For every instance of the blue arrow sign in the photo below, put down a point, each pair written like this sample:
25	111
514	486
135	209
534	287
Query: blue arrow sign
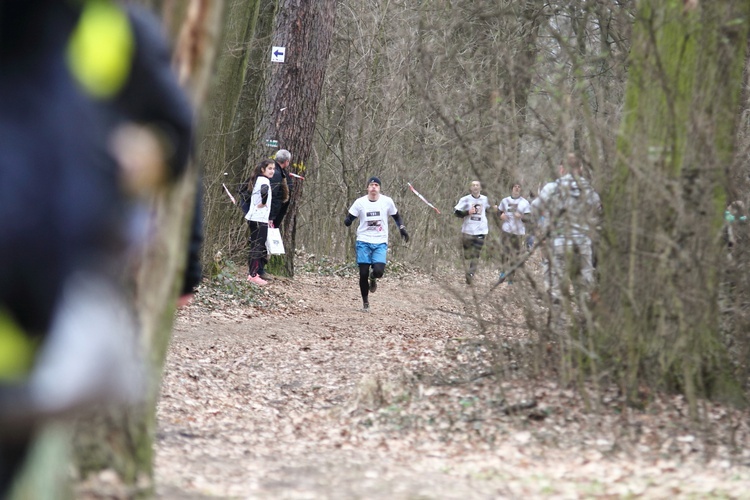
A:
277	54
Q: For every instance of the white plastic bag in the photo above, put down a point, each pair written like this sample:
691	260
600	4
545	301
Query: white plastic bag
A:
274	243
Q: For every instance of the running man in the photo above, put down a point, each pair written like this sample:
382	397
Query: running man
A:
515	212
373	210
572	209
473	209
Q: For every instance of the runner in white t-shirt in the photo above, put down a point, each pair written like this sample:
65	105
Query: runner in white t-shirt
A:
372	211
572	209
515	212
473	209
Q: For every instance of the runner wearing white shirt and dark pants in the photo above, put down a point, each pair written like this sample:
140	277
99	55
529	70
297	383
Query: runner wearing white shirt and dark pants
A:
372	211
515	211
572	209
473	209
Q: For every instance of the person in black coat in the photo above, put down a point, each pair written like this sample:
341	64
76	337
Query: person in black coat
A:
281	186
281	190
63	198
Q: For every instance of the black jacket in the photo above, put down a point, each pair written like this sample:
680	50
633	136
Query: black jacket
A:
60	200
278	206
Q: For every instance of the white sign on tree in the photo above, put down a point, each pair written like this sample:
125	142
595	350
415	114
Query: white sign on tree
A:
277	54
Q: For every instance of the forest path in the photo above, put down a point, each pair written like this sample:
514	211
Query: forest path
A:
306	396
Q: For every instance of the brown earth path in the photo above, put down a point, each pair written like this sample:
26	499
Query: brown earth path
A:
303	396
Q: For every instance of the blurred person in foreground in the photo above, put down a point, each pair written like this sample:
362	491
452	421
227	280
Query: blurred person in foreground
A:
90	114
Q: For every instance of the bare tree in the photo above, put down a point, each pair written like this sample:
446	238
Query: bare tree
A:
260	105
230	120
662	254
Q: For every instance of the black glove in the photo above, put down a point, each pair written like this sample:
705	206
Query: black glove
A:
404	234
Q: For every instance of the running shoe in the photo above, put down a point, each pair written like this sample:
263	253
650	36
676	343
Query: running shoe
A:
257	280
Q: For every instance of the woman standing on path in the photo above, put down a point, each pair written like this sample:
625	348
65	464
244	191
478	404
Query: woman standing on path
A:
257	218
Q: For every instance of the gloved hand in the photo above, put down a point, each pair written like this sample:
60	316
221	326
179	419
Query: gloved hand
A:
404	234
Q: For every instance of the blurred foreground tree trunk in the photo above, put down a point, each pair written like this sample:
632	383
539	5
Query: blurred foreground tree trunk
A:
116	440
661	255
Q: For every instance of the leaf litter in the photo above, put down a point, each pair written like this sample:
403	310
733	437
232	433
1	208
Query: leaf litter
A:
291	391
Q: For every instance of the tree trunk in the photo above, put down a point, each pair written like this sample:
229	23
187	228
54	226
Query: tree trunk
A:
661	255
123	440
230	122
293	89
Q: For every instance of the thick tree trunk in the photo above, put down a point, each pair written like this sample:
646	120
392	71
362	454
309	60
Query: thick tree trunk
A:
293	88
661	256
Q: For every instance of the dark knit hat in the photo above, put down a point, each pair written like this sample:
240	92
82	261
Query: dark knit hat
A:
375	180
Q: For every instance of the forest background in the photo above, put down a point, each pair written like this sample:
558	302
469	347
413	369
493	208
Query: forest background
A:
651	95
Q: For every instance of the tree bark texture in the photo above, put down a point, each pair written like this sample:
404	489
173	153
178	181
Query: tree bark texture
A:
123	440
293	88
660	254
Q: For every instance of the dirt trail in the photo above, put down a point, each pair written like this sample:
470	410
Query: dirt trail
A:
305	396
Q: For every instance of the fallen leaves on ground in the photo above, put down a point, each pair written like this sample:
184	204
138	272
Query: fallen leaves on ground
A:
291	391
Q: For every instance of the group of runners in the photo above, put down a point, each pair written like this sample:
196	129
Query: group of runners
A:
475	209
564	216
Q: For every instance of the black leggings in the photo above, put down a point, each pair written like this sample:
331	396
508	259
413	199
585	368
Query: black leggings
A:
258	235
512	245
364	275
472	245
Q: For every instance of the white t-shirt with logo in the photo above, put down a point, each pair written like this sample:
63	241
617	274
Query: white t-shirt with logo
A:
475	223
373	218
512	206
259	214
